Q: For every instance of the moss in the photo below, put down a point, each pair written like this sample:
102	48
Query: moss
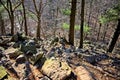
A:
3	72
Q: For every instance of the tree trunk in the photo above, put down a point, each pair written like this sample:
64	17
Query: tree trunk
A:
11	15
2	25
38	28
82	23
90	12
99	32
25	20
72	22
114	39
12	23
105	31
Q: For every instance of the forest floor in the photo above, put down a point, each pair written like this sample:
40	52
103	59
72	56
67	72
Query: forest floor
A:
23	58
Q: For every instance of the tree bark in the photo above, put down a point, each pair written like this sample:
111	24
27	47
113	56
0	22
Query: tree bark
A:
72	22
90	12
25	19
105	32
114	39
99	32
11	17
82	23
38	28
2	25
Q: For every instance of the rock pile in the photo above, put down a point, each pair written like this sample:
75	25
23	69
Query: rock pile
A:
23	58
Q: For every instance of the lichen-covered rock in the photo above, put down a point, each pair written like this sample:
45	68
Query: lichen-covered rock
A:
12	52
83	74
56	69
3	72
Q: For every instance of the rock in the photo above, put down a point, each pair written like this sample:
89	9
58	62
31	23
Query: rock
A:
35	58
1	52
4	42
45	78
29	46
16	44
62	40
37	74
56	70
3	72
83	74
12	52
20	59
95	58
56	39
19	37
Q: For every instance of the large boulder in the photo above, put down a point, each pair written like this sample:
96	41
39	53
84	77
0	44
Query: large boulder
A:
56	69
12	52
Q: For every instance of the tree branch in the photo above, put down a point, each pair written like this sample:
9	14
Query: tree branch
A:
4	6
17	6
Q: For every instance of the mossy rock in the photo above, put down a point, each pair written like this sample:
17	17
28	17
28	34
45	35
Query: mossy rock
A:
3	72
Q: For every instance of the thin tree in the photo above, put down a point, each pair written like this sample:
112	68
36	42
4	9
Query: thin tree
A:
38	13
72	21
89	16
25	19
115	38
2	26
82	23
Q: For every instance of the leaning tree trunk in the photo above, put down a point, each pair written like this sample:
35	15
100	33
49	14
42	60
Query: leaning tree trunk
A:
72	22
82	23
114	39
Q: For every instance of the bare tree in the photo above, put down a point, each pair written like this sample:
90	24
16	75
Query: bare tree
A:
10	9
39	7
